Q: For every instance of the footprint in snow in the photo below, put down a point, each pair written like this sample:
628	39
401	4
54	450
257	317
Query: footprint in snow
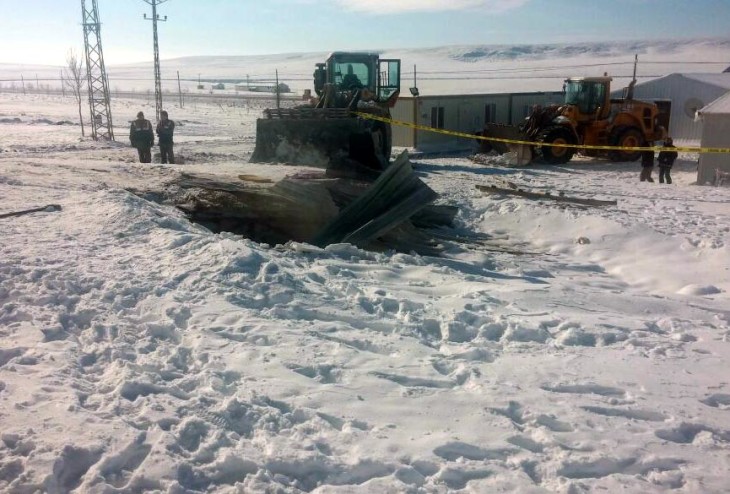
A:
522	418
596	389
686	433
721	401
69	469
454	450
603	467
325	374
117	469
418	382
626	413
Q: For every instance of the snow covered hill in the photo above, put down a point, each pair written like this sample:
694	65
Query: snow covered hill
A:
439	70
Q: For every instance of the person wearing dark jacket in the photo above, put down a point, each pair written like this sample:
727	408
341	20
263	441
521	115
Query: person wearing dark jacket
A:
142	138
165	129
647	165
666	160
351	81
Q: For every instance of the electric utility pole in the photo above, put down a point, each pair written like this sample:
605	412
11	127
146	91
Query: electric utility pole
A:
101	113
158	80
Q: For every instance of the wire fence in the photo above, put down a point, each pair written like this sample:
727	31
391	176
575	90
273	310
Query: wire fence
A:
263	86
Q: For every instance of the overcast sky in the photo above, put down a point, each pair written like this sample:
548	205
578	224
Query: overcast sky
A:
42	31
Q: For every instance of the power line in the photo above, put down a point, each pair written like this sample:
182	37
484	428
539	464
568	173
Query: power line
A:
427	78
299	76
561	67
507	78
502	73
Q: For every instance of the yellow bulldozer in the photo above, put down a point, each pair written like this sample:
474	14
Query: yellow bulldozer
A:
588	116
327	131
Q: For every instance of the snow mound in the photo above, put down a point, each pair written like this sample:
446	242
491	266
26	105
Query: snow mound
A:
699	290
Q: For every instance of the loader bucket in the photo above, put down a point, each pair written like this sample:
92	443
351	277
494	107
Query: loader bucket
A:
302	142
522	152
502	131
319	137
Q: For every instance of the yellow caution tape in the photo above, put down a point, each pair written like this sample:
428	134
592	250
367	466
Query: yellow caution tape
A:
687	149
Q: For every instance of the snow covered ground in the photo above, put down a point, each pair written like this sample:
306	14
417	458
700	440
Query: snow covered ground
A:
566	350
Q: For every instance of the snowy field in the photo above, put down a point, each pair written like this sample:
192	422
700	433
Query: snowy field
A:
568	350
440	70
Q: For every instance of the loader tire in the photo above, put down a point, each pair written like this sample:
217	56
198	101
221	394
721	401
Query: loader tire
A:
626	137
378	137
382	144
557	155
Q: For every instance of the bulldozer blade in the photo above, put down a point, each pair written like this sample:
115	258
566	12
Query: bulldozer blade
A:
502	131
306	141
519	154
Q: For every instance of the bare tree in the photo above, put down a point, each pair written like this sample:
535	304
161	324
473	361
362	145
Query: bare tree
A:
73	79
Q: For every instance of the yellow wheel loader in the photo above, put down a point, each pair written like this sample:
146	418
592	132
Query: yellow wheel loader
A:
588	116
328	132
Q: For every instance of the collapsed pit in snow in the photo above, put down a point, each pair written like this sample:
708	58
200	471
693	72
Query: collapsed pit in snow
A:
393	211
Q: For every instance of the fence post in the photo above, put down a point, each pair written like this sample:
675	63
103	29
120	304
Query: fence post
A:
179	89
278	98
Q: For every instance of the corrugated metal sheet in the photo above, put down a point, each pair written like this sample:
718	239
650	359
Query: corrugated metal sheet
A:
720	80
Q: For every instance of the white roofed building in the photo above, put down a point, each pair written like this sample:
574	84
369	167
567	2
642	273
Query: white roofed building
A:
682	95
715	119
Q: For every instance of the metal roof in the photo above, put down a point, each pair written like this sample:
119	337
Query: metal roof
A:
720	106
721	80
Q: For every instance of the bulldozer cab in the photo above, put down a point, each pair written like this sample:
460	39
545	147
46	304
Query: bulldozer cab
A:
350	71
590	96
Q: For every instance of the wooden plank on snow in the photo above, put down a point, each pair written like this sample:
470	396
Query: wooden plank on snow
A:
492	189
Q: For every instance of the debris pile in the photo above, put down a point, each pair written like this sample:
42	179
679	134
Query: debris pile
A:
390	210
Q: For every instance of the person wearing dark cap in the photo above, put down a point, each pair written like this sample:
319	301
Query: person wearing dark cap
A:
142	138
165	129
666	159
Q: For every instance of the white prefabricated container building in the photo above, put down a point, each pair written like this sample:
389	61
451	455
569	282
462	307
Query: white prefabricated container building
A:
678	95
460	113
715	118
683	95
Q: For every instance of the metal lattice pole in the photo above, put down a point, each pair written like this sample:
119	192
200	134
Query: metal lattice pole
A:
158	79
98	85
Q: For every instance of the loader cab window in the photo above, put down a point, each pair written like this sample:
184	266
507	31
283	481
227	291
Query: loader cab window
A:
388	78
352	75
588	96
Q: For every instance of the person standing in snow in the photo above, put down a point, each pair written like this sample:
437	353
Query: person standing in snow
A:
142	138
165	129
647	165
666	160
